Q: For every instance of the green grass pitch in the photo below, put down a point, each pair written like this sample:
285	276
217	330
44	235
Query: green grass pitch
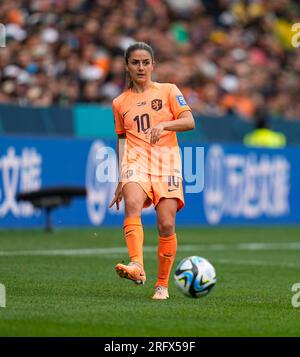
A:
64	284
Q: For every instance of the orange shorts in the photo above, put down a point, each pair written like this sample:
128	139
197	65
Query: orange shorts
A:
158	187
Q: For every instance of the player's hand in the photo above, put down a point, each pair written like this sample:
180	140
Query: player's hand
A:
118	196
155	132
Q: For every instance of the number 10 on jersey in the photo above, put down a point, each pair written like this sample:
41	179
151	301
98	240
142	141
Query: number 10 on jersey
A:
142	122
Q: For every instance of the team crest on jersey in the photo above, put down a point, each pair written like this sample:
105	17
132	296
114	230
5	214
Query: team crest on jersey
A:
156	104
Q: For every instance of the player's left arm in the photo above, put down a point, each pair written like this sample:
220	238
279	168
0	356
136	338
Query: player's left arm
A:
184	122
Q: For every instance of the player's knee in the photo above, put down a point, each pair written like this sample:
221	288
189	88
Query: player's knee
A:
166	228
132	206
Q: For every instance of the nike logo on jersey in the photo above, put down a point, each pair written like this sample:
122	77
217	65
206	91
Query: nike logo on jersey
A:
123	115
139	104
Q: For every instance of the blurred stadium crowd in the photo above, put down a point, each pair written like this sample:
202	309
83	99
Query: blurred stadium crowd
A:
227	56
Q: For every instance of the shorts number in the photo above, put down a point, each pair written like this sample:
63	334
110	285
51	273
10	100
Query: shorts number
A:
142	122
173	181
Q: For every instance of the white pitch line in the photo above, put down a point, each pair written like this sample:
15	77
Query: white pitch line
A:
64	252
258	262
182	248
270	246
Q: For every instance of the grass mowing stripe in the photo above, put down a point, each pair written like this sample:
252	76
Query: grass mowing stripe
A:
112	252
183	248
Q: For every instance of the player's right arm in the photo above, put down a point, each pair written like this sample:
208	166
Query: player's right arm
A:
119	125
120	151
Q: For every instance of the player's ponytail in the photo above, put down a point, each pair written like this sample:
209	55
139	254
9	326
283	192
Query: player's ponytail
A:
132	48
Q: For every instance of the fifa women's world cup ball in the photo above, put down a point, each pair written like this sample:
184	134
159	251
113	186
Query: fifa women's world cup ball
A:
195	276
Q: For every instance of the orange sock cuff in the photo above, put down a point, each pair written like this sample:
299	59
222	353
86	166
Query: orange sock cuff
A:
136	221
167	239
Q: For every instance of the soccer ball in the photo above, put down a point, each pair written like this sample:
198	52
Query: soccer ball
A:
195	276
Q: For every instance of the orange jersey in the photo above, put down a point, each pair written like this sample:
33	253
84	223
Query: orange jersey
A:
136	112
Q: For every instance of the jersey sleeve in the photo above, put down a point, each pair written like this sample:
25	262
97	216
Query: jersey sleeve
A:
177	102
119	122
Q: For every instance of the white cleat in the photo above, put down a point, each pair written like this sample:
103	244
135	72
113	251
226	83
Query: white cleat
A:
161	293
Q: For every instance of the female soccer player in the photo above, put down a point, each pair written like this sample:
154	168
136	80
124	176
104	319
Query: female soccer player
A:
148	114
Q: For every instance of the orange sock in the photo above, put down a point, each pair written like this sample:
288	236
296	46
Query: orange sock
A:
166	254
134	236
